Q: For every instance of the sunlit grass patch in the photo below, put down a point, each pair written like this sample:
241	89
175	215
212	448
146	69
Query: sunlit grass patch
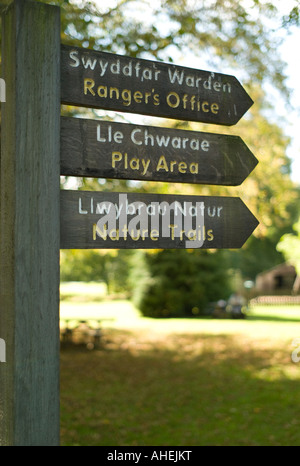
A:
180	390
80	291
175	382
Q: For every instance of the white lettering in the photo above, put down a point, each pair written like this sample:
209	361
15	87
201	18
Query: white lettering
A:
73	56
179	220
80	210
103	67
89	63
143	137
175	76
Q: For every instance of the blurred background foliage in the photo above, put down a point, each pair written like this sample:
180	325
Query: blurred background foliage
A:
229	36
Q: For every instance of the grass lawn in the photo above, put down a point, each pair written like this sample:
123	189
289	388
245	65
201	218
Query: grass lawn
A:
179	382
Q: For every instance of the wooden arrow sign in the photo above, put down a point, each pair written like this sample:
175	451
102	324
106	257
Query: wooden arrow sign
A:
103	149
100	220
113	82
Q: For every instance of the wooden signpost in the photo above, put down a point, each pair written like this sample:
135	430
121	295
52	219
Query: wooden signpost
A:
29	223
36	218
103	149
114	82
93	220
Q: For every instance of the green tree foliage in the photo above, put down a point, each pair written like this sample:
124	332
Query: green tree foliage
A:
98	266
237	34
179	283
289	245
268	191
234	37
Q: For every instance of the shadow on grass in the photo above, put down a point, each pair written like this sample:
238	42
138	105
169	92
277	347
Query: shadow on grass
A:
272	318
179	390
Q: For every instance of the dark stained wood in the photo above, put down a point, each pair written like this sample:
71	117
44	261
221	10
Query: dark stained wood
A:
140	221
103	149
113	82
29	223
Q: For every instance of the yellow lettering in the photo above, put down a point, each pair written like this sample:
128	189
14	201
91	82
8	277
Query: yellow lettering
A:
135	238
113	90
210	235
116	157
172	165
147	95
215	108
192	235
182	167
194	168
125	231
88	86
202	235
172	231
156	99
102	91
204	107
138	97
126	96
154	235
97	231
171	97
144	234
114	234
162	164
134	164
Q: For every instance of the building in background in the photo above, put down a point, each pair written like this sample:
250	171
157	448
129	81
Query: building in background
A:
278	281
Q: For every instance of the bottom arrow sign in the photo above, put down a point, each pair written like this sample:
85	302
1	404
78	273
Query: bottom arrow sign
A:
99	220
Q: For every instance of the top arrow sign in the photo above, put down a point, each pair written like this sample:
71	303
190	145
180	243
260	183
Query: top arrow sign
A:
114	82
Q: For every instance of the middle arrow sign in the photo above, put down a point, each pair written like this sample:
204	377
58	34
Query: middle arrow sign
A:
103	149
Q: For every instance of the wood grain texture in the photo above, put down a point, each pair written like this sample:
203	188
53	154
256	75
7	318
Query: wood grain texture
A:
103	149
29	259
114	82
141	221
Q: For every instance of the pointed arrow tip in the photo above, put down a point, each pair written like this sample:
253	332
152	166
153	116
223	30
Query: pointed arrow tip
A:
250	224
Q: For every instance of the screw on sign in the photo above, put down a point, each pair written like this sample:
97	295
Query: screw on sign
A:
113	82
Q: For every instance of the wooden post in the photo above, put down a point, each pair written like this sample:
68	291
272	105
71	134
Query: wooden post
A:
29	225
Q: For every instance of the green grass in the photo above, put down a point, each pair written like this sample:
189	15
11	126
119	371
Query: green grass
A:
181	382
